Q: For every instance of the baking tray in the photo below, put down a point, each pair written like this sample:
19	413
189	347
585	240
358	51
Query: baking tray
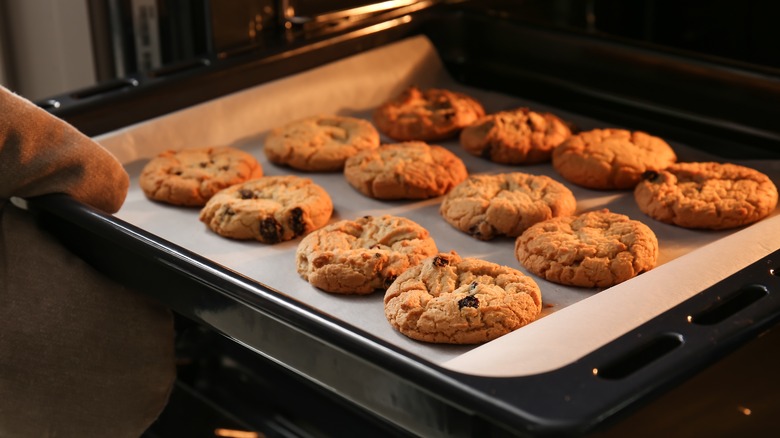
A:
592	354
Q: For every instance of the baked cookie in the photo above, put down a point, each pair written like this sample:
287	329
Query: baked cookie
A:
594	249
446	299
427	115
270	209
321	143
505	204
190	177
361	256
410	170
519	136
610	158
706	195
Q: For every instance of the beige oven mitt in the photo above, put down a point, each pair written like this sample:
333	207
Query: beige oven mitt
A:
80	355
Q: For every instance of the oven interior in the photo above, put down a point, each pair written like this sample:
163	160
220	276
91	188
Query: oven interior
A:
682	74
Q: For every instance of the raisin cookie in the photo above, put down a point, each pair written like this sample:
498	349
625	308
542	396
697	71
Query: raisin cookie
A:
706	195
447	299
519	136
270	209
364	255
611	158
410	170
321	143
427	115
190	177
594	249
488	206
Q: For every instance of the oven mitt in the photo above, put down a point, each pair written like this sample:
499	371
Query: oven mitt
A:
80	355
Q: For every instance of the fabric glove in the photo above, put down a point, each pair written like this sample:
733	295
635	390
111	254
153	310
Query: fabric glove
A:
80	355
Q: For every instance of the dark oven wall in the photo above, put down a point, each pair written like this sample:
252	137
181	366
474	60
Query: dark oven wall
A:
698	72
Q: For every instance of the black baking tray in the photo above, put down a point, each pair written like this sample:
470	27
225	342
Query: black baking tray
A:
616	81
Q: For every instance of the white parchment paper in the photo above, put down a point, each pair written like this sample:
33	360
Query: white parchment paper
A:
575	321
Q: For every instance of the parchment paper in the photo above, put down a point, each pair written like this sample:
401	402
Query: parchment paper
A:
575	321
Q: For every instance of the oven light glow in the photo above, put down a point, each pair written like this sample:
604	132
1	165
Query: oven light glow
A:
745	411
595	371
689	318
232	433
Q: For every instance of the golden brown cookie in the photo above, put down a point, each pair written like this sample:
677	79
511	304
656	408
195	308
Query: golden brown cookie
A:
446	299
706	195
270	209
594	249
190	177
361	256
519	136
505	204
320	143
410	170
610	158
427	115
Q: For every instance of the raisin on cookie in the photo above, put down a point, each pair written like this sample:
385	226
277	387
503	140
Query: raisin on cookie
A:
410	170
611	158
427	115
270	209
594	249
706	195
518	136
190	177
454	300
363	255
320	143
488	206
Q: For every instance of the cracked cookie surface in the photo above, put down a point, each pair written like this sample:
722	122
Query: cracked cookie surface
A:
611	158
594	249
706	195
363	255
320	143
190	177
519	136
409	170
506	204
454	300
427	115
270	209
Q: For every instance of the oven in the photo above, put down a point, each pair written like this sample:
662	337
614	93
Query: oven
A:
687	349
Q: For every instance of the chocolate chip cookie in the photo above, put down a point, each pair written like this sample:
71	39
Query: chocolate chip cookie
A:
363	255
706	195
270	209
594	249
321	143
611	158
190	177
505	204
447	299
427	115
519	136
410	170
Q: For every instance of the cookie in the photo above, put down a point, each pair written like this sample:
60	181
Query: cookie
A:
706	195
190	177
610	158
447	299
321	143
488	206
363	255
519	136
270	209
594	249
410	170
427	115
